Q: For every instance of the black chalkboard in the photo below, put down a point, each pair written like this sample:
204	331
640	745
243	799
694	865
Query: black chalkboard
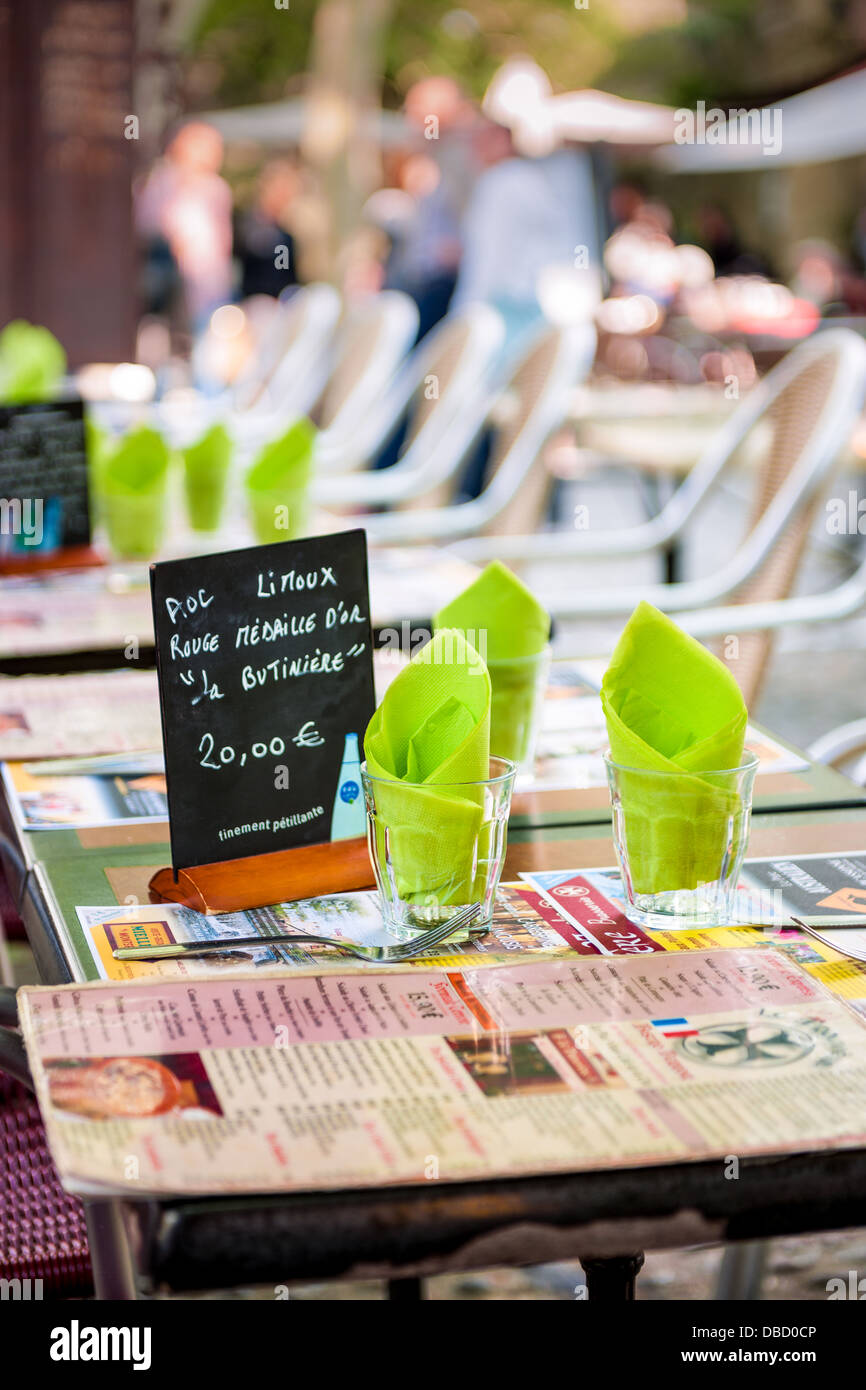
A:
265	661
43	458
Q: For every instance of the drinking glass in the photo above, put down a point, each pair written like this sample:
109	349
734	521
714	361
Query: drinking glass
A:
437	847
517	697
680	840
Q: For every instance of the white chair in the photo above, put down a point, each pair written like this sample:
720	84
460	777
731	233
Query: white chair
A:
760	620
369	347
364	353
285	379
812	400
809	399
442	384
291	367
533	405
840	745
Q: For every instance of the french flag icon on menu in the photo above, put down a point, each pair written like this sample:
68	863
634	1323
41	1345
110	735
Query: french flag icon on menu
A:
674	1027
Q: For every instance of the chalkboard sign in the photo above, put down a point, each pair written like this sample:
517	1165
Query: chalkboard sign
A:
266	687
43	469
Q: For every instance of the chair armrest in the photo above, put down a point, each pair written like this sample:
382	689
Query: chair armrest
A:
839	743
13	1056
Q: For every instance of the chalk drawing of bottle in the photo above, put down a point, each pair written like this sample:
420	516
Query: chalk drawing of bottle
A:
348	817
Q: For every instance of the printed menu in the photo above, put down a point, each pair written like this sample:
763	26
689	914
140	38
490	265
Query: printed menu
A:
59	802
573	739
812	890
87	611
522	922
312	1081
100	712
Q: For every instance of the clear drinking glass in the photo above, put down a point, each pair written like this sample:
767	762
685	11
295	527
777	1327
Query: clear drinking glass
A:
680	840
437	847
517	697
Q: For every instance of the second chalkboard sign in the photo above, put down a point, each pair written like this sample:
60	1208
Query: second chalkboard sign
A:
266	687
43	467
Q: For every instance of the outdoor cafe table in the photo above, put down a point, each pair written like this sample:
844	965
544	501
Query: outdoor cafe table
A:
404	1233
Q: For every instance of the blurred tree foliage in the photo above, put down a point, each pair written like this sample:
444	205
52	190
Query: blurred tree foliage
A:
249	50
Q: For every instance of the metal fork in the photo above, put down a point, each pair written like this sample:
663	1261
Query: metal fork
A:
381	955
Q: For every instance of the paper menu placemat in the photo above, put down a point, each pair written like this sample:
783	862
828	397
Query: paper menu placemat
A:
77	613
826	893
78	715
318	1081
522	922
573	736
68	803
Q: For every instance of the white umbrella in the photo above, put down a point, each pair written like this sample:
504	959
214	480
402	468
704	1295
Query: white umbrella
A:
827	122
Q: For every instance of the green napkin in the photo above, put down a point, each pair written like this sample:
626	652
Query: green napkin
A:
98	446
432	728
32	363
516	631
671	706
278	484
133	481
206	470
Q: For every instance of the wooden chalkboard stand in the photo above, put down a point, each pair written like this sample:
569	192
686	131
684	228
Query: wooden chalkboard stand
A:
340	866
69	558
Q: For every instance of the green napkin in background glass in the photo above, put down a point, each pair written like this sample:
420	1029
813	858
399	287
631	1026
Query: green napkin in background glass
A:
516	632
433	728
32	364
671	706
278	485
133	486
98	446
206	470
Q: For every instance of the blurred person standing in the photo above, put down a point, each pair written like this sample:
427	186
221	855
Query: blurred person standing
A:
186	204
426	251
263	244
533	210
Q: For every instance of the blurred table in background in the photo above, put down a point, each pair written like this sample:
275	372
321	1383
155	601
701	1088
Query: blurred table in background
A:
101	619
662	428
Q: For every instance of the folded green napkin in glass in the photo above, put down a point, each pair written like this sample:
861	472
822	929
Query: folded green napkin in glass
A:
133	489
206	469
432	730
672	707
278	485
509	626
32	364
98	446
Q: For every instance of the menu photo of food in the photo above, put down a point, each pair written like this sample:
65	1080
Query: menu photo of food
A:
131	1088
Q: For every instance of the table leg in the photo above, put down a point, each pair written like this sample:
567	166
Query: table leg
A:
742	1270
405	1290
612	1280
110	1255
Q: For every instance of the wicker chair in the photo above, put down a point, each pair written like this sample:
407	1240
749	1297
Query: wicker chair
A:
533	404
810	402
43	1230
